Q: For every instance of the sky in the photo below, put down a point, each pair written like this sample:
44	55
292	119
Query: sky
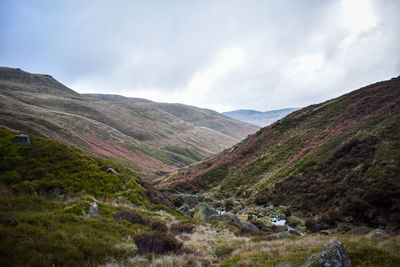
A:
217	54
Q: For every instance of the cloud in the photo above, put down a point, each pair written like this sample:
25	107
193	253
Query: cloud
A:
217	54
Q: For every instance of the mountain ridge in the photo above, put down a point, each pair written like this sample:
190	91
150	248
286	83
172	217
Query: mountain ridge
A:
260	118
143	136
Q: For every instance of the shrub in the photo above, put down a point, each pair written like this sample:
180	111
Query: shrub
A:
7	220
159	227
181	228
229	204
158	243
132	217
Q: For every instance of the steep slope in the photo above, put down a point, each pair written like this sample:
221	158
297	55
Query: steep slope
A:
140	135
258	117
338	160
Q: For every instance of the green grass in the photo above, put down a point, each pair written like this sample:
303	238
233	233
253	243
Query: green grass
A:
44	165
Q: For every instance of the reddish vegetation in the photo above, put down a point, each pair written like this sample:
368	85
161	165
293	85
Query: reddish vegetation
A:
158	243
358	106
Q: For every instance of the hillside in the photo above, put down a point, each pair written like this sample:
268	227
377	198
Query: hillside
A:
60	206
149	137
336	161
258	117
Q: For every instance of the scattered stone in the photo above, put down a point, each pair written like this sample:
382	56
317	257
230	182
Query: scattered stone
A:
21	139
7	220
333	255
230	217
191	200
360	230
111	171
204	212
185	209
94	210
376	233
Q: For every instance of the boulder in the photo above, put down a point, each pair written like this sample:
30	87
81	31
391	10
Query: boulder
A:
111	171
333	255
230	217
376	233
94	210
250	226
21	139
204	212
185	209
191	200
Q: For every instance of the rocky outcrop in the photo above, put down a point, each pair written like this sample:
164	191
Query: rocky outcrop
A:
333	255
21	139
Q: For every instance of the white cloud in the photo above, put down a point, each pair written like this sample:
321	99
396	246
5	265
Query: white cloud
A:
223	55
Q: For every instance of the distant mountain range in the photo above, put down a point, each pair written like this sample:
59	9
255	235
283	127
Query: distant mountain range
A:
150	137
258	117
337	161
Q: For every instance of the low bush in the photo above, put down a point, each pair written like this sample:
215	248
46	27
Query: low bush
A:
181	228
157	243
159	227
132	217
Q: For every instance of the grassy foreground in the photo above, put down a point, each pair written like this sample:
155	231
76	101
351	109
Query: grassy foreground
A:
41	228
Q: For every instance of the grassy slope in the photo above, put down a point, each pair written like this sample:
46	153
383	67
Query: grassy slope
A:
136	132
53	230
336	159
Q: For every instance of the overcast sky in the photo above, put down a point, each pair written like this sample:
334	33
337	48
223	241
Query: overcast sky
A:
222	55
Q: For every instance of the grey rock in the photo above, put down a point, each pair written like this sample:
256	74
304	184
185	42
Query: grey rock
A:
204	212
333	255
111	171
21	139
94	210
376	233
250	226
185	209
226	216
191	200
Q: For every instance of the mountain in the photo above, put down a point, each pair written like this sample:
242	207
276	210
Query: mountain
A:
149	137
338	161
258	117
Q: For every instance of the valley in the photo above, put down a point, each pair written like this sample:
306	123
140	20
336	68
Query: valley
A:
108	180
